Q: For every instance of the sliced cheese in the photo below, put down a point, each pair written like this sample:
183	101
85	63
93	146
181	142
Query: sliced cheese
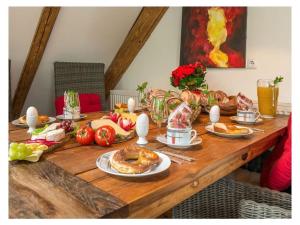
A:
55	135
95	124
38	136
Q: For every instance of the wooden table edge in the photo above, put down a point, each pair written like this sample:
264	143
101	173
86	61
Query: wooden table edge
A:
158	205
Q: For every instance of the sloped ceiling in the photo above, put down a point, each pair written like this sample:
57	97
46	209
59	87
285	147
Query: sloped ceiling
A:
80	34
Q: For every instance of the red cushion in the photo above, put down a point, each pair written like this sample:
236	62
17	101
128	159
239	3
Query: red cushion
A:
88	103
277	168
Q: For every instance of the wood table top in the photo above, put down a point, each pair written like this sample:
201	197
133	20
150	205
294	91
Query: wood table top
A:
67	184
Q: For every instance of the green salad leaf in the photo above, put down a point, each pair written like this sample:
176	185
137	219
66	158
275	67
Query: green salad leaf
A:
39	130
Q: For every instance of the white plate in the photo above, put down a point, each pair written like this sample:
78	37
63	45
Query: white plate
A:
17	122
236	119
61	117
210	129
103	164
163	139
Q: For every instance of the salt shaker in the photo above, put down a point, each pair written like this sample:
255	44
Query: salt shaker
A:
131	105
31	118
214	114
142	128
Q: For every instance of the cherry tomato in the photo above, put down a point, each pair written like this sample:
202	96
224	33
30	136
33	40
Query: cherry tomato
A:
105	135
85	135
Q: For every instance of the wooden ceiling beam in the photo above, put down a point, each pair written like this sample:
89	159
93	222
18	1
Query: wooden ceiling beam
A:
133	43
34	56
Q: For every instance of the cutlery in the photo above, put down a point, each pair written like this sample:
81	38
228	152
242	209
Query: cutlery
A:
186	158
176	160
256	129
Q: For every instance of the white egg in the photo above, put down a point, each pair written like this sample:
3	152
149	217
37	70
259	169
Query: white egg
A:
131	105
31	118
142	128
214	114
142	125
31	111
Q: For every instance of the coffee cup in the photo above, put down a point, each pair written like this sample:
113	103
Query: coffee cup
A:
248	116
181	136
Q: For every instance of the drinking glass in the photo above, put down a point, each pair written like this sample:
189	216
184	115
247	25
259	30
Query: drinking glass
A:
267	94
159	111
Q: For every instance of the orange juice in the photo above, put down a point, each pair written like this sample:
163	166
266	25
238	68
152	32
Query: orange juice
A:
267	100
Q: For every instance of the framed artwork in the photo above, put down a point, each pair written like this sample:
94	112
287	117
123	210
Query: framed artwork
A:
214	36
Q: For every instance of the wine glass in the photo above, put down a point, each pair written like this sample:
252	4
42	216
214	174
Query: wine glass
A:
159	111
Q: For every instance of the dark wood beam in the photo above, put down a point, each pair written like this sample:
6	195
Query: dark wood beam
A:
133	43
34	56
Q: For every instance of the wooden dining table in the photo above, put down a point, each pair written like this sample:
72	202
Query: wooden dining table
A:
66	182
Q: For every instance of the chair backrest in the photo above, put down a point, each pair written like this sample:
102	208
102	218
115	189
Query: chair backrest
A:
122	96
81	77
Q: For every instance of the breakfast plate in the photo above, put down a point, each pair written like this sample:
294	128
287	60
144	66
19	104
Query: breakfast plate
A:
237	120
103	163
61	117
210	129
19	124
163	139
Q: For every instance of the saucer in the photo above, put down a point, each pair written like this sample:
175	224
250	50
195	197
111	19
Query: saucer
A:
236	119
163	139
61	117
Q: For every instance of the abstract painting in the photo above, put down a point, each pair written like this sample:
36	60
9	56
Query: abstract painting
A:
214	36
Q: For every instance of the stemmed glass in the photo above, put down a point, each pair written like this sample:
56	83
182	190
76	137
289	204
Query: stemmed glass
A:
159	111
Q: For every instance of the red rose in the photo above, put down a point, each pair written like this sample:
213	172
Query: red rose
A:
184	71
175	81
188	70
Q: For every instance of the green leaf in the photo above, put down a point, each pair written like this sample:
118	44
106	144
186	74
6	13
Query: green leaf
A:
141	88
278	79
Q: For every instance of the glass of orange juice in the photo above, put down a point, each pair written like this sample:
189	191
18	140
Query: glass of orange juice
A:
267	93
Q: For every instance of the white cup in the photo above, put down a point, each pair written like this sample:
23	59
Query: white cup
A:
181	136
248	116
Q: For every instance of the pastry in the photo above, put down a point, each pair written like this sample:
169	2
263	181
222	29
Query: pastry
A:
229	129
41	119
141	160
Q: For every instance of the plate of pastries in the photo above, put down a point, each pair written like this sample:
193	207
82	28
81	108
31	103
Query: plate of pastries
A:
133	161
229	130
42	120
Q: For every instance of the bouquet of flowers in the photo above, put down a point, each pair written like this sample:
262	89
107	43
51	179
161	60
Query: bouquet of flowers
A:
189	77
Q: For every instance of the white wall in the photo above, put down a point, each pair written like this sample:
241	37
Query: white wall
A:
95	35
268	43
79	34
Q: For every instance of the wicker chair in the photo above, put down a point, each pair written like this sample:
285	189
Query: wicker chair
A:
81	77
223	199
253	210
